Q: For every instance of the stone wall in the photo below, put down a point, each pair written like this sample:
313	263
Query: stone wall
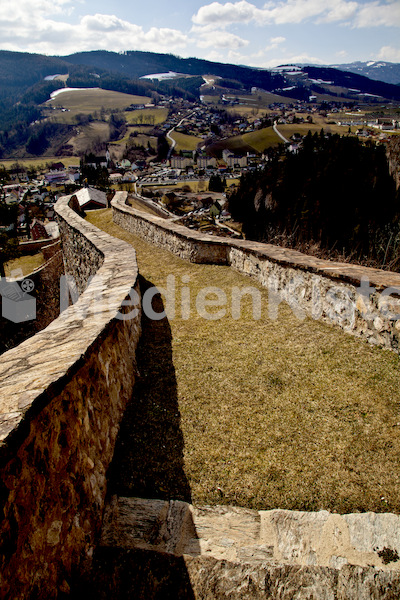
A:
33	246
51	249
63	394
224	552
190	245
360	300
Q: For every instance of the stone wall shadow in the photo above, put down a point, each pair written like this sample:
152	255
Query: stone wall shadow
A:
148	463
148	458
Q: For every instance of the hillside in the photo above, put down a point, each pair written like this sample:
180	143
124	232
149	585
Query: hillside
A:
25	90
378	70
135	64
313	79
19	70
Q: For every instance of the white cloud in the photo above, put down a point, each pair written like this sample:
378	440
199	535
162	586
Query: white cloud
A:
291	59
342	11
215	56
31	27
277	40
220	39
221	15
358	14
262	60
375	14
389	54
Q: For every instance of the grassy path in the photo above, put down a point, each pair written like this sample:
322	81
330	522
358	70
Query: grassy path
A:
262	414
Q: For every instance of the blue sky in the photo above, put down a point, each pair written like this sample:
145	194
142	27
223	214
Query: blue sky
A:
251	32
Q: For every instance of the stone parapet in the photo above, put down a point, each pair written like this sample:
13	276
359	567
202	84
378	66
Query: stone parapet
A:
229	552
361	300
33	246
63	395
190	245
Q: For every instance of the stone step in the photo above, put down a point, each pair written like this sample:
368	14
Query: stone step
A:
238	534
154	549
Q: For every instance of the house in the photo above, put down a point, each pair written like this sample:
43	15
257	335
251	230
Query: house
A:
52	230
38	230
234	160
56	176
57	167
180	162
215	210
204	162
90	198
98	162
115	177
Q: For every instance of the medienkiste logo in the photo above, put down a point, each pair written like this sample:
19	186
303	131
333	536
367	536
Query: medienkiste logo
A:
18	305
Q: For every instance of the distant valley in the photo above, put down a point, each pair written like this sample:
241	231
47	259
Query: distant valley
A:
31	127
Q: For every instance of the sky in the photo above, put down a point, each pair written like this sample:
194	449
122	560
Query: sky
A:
254	33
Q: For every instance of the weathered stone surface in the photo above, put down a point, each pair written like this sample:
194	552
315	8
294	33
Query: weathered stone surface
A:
145	575
63	394
239	553
238	534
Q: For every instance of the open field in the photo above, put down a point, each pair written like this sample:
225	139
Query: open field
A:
89	101
185	142
26	263
147	116
250	112
68	161
261	413
97	131
235	144
303	128
261	139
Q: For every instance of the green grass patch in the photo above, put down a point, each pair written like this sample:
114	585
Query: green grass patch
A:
147	116
261	139
185	142
89	102
262	414
235	144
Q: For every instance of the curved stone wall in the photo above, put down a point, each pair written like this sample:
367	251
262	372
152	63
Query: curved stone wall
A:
360	300
63	395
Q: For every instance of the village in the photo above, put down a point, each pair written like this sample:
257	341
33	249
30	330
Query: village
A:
190	185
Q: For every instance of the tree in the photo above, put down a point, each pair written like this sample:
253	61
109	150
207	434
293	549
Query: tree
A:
216	184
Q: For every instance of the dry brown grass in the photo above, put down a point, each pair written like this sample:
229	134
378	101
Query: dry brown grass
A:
273	413
26	263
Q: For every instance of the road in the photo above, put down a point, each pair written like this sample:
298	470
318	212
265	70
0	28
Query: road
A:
171	139
275	128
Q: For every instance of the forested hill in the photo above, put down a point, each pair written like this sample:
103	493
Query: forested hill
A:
335	197
380	70
136	64
354	81
19	70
